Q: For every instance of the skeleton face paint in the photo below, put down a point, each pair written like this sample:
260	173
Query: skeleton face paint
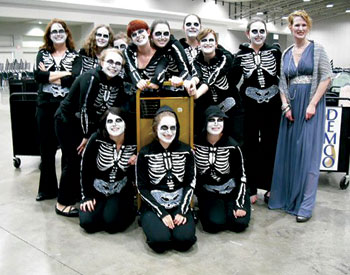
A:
161	35
120	44
58	34
257	33
115	125
112	64
192	26
166	129
299	28
102	37
208	44
215	125
139	37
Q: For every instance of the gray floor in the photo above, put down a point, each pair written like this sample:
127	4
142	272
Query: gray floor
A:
34	240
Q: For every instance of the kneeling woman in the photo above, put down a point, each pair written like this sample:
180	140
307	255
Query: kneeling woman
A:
107	177
166	181
222	198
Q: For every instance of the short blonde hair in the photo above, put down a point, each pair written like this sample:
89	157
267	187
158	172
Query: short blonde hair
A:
110	50
300	13
205	32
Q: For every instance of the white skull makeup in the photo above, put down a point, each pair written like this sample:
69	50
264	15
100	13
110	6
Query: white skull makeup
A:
139	37
192	26
120	44
161	35
257	33
102	37
57	33
166	130
115	125
208	44
112	64
215	125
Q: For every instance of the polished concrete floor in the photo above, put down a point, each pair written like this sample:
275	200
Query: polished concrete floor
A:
34	240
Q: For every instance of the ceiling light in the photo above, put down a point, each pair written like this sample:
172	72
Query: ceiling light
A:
284	18
40	22
348	11
259	13
330	6
307	0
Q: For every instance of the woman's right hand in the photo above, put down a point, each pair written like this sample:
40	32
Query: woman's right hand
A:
88	205
82	145
168	221
289	115
142	84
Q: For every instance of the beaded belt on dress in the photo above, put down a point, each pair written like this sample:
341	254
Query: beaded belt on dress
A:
302	79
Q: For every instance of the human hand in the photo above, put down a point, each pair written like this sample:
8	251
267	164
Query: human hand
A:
289	115
310	111
253	199
42	67
142	84
132	160
153	86
88	205
179	219
190	87
176	81
239	213
82	145
168	221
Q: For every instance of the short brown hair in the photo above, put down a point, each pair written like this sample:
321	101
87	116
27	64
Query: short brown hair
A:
48	44
205	32
300	13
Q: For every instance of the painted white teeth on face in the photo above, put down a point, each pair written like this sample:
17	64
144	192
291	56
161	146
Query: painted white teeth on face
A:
192	26
102	37
166	129
257	33
115	125
112	64
215	125
161	35
139	37
208	44
57	33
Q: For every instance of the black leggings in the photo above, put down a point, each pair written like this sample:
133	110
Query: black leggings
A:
216	213
160	238
112	214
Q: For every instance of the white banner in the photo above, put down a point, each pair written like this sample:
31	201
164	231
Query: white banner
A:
330	150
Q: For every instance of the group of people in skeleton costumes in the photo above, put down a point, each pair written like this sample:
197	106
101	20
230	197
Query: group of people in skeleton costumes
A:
86	106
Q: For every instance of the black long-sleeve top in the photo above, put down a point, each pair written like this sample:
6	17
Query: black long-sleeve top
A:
219	164
155	69
215	75
178	64
104	170
70	62
166	174
88	62
260	70
97	94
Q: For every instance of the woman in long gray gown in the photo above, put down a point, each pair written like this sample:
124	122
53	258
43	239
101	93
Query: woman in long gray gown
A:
305	76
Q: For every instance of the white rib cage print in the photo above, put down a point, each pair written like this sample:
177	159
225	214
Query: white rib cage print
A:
166	164
261	61
214	158
108	157
66	62
88	63
105	98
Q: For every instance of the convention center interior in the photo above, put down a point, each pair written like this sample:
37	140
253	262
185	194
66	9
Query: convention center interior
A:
175	137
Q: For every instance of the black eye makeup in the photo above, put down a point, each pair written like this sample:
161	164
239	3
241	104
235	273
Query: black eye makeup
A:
111	62
120	47
166	128
189	24
61	31
102	35
204	40
164	34
136	33
261	31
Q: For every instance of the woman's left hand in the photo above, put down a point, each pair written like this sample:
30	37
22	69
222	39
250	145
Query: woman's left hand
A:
176	81
310	111
42	67
179	219
239	213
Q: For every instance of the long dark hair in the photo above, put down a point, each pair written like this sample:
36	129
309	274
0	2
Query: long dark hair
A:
102	123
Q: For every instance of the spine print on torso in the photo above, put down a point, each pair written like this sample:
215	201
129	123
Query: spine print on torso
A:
105	98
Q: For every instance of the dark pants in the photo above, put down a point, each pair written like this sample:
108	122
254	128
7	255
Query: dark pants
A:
260	140
48	147
216	213
69	135
160	238
112	214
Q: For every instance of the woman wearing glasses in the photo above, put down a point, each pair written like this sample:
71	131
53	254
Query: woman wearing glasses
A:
58	64
99	39
259	64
